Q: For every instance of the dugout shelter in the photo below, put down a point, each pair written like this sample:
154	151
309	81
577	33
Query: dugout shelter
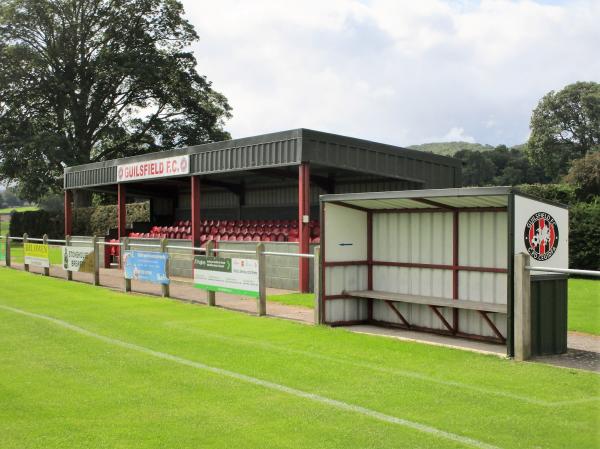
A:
441	260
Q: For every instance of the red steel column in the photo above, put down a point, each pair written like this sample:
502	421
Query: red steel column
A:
68	212
121	210
303	228
196	225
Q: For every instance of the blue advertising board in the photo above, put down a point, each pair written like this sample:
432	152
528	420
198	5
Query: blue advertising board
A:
146	266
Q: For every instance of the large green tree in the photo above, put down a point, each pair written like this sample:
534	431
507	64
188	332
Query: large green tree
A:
89	80
565	126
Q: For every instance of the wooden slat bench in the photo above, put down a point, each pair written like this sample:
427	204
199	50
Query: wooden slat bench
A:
433	303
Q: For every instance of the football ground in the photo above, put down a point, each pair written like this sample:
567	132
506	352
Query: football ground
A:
84	366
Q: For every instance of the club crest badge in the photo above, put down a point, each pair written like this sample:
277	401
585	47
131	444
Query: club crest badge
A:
541	236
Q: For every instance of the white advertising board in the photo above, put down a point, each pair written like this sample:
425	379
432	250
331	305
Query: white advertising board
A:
542	231
237	276
78	259
158	168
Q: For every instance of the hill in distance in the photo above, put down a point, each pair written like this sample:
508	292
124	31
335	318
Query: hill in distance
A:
450	148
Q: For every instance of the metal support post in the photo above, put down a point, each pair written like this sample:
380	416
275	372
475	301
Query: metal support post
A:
45	242
7	258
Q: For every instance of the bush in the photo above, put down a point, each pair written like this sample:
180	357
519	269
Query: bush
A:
584	236
561	193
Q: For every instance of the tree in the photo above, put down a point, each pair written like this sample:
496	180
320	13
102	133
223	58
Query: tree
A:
585	175
565	126
478	169
89	80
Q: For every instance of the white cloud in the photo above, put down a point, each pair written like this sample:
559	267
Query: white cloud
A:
393	71
455	134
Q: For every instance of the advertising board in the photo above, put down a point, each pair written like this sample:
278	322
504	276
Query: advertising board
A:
78	259
236	276
146	266
36	255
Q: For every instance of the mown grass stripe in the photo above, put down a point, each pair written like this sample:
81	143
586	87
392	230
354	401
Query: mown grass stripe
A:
263	383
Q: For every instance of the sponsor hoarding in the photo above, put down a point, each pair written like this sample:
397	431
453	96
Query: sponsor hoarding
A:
146	266
78	259
237	276
158	168
36	254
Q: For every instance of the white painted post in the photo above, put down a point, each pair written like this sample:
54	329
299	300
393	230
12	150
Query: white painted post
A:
164	288
317	284
210	296
25	265
96	253
522	307
67	244
124	247
261	301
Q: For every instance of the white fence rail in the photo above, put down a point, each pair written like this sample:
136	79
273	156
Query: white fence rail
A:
208	250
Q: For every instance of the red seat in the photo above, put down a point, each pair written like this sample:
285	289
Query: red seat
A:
247	238
240	238
315	240
292	239
225	238
281	238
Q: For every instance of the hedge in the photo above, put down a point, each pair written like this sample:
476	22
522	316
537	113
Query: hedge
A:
86	221
584	236
37	223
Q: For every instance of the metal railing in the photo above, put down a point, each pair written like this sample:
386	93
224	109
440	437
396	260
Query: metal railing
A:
592	273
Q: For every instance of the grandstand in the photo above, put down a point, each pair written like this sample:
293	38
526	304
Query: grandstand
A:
262	188
234	230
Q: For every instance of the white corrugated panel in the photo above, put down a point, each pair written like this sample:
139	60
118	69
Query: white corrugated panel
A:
483	240
345	240
348	278
415	238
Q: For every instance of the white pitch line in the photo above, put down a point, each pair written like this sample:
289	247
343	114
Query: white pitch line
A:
263	383
402	373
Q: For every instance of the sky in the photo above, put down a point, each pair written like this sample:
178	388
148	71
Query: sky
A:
394	71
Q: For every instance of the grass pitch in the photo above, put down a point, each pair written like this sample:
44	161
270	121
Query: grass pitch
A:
132	371
584	306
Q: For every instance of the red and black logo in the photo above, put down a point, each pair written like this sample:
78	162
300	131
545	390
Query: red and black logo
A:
541	236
